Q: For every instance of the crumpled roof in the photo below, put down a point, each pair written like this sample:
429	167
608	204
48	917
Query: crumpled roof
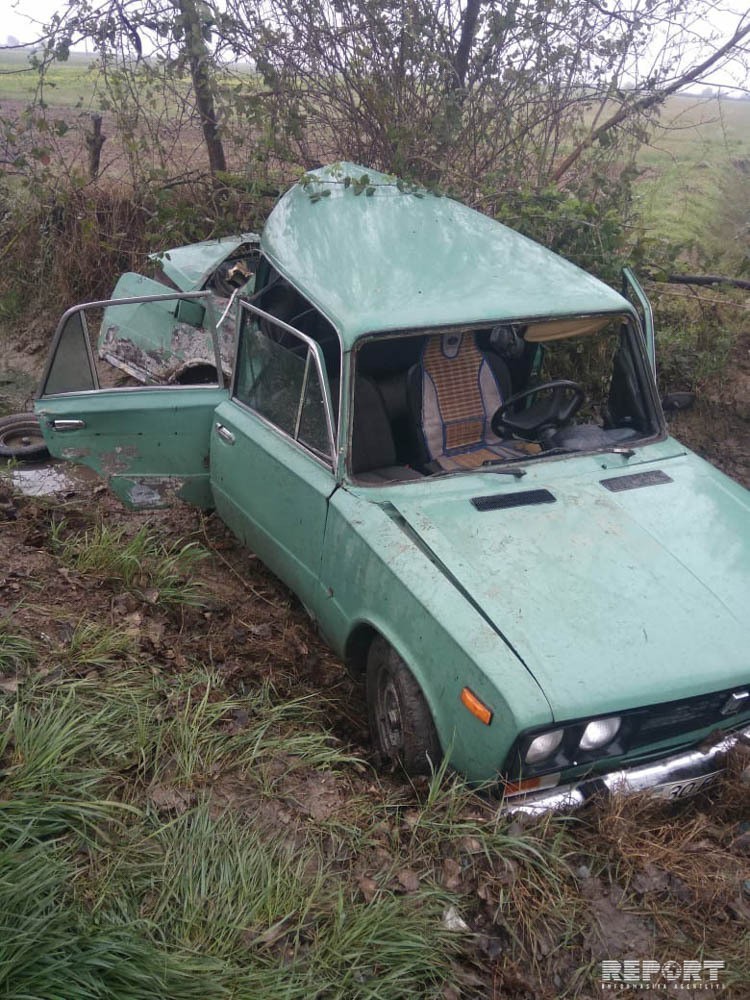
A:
376	255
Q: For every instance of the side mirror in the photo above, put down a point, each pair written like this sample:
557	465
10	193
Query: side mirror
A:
675	402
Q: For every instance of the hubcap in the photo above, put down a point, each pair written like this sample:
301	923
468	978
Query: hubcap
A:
389	717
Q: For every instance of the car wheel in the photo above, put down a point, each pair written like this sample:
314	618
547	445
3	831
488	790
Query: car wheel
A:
401	723
21	437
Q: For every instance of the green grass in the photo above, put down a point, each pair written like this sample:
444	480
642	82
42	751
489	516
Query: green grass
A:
158	573
101	898
68	85
695	186
17	651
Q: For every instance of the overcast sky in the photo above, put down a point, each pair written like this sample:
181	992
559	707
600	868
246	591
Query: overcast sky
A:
23	20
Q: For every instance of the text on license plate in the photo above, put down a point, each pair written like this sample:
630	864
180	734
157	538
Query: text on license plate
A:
689	786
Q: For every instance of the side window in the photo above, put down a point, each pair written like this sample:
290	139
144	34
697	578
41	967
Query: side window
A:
278	376
71	367
154	338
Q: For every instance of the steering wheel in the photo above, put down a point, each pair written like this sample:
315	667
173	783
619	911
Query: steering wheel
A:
545	416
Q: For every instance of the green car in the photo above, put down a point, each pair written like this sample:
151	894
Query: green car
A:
448	441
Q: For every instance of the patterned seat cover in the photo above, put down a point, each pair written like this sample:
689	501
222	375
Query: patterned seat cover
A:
460	393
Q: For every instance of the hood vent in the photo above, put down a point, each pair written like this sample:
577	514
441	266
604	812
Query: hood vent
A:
635	481
501	501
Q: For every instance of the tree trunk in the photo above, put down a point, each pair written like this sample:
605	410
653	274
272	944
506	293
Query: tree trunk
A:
198	58
465	42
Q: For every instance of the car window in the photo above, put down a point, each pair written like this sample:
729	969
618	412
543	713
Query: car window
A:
466	398
277	376
146	336
71	370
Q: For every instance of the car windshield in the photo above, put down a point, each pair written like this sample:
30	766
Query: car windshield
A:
468	398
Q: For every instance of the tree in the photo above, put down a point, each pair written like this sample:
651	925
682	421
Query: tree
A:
526	92
176	36
478	96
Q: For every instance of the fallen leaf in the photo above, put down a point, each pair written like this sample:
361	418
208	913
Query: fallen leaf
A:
484	892
9	684
269	936
453	921
167	798
451	874
492	947
368	887
411	818
408	879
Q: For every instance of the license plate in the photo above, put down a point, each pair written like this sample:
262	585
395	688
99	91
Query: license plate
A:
683	789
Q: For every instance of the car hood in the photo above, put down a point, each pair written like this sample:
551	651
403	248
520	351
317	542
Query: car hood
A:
610	599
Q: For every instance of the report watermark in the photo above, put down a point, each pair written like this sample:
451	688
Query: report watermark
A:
673	975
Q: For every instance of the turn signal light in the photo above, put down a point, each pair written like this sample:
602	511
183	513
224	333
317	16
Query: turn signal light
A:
476	707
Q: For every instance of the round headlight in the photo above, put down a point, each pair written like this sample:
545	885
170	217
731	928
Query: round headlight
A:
599	733
542	747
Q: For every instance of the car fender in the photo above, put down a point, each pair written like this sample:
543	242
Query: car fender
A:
377	579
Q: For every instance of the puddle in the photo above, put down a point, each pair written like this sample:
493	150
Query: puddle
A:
53	479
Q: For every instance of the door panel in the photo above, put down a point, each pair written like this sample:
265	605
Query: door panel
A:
272	449
272	495
150	443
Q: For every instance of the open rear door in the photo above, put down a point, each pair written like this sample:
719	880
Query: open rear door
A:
149	442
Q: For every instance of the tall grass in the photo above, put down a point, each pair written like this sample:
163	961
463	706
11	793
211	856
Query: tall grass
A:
103	893
155	571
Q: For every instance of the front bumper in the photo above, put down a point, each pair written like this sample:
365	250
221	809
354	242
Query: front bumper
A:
671	778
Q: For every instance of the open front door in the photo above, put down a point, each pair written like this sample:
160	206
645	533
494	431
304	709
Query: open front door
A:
632	291
150	442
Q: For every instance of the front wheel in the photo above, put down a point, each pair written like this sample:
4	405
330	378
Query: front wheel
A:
401	723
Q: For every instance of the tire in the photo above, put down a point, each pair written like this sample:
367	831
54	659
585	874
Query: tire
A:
21	437
401	724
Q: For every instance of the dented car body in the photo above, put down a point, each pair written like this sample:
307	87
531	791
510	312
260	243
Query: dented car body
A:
167	341
448	442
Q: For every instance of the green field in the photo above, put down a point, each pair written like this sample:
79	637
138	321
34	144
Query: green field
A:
68	85
695	182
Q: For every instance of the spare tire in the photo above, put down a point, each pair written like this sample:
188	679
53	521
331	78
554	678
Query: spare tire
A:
21	437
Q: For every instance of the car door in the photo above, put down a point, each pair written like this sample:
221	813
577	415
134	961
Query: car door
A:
151	443
272	450
631	289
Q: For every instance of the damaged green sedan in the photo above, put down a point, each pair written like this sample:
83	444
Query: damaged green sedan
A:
448	441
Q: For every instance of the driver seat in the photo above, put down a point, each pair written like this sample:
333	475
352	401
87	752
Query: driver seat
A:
454	390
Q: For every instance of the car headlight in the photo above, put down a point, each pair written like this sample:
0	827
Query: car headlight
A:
599	732
543	746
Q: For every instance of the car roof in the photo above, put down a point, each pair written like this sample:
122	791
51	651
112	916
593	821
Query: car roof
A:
189	267
376	255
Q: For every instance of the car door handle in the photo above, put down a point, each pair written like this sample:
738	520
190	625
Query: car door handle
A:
225	434
68	425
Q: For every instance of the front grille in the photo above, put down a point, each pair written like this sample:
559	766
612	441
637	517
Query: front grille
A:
676	718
